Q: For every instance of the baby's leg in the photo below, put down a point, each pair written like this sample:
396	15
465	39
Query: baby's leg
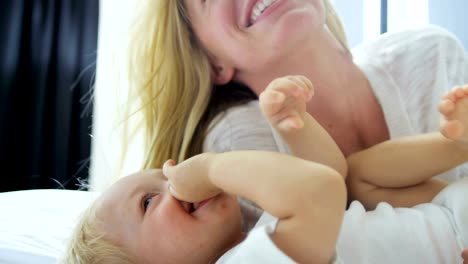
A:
465	256
454	108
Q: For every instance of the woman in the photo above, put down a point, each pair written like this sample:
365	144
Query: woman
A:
191	60
171	75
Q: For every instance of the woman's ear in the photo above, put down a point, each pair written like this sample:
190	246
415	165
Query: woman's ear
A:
222	74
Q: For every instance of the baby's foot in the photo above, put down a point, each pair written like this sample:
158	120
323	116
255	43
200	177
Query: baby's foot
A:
465	256
283	102
454	108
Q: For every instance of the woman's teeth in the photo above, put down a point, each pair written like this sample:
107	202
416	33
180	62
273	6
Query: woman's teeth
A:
259	8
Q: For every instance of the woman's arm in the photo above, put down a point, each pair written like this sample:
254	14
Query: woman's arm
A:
399	171
308	198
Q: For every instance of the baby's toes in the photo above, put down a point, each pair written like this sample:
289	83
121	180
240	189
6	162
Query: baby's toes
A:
450	96
459	93
446	107
463	103
461	110
452	129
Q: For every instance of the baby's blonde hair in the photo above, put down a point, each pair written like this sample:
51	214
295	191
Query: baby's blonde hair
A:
170	82
87	244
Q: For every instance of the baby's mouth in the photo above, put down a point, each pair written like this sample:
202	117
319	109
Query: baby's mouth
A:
190	208
197	206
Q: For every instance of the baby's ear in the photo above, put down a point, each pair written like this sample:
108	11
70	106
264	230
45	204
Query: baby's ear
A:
222	74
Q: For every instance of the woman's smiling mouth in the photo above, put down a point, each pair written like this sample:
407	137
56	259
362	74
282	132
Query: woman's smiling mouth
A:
257	10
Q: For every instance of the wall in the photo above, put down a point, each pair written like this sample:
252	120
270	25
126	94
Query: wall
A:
110	94
451	14
361	18
352	16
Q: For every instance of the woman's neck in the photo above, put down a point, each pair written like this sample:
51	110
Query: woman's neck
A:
345	104
344	101
323	60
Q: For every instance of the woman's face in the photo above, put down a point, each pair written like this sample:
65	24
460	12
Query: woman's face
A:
252	36
141	215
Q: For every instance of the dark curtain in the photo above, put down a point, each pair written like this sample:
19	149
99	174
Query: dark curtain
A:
47	65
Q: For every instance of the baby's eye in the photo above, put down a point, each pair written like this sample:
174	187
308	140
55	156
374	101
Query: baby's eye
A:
147	201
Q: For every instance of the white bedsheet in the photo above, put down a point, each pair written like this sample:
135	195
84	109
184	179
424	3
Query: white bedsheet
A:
35	224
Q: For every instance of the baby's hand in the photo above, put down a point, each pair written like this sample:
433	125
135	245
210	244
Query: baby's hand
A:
189	181
284	102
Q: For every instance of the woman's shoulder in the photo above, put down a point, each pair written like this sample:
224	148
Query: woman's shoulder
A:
240	128
417	42
431	33
248	114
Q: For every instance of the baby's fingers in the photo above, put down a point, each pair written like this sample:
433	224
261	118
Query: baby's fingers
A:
168	168
291	123
175	193
289	87
271	102
304	84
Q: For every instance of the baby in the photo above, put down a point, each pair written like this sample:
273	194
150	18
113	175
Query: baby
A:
186	213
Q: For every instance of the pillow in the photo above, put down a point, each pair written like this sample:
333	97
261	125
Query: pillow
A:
35	224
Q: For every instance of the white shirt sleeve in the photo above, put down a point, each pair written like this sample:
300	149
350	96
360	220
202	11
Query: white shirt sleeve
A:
422	234
259	248
409	72
243	128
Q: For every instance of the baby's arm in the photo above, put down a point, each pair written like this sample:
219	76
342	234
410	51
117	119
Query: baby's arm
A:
465	256
308	198
399	171
284	104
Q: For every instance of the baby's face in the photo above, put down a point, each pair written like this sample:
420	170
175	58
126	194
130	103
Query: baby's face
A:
141	215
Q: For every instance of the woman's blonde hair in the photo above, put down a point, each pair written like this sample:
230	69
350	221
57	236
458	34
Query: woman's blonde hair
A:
87	244
334	24
170	79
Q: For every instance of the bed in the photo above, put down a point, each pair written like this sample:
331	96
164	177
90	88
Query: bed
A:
35	224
